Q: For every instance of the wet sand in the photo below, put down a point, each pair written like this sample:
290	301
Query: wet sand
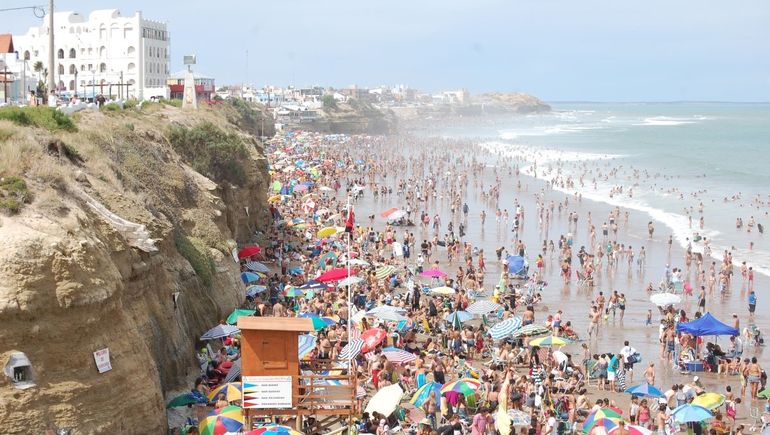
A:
576	302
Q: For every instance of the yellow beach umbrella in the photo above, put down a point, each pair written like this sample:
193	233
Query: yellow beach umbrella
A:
549	341
709	400
443	290
274	198
327	231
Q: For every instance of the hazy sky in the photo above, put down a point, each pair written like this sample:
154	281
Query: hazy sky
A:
599	50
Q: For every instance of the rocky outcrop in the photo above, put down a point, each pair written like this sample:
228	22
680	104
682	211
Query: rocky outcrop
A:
353	117
72	282
513	102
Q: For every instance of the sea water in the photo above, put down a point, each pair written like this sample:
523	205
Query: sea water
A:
672	156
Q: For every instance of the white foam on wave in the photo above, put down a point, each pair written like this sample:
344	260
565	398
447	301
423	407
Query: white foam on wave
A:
677	223
667	121
552	130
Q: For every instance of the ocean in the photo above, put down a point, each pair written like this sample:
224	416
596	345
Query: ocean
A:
674	158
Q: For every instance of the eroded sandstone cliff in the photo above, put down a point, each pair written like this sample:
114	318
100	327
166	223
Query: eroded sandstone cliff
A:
72	281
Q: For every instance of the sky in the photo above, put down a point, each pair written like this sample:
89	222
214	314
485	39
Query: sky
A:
558	50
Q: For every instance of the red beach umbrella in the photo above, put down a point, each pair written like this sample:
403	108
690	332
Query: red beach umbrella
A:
335	275
389	212
372	337
249	251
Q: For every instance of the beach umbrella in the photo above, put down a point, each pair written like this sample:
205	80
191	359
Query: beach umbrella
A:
387	213
483	307
296	270
351	280
709	401
256	266
531	330
326	232
300	188
600	414
249	277
632	430
602	426
231	391
356	262
382	308
325	189
665	299
549	341
764	393
253	290
465	386
352	349
274	198
389	315
644	390
220	331
396	215
398	356
458	316
320	323
386	400
443	290
306	344
277	186
505	329
232	319
249	251
372	338
688	413
186	399
293	292
515	263
421	395
273	429
222	421
234	372
334	275
432	273
384	272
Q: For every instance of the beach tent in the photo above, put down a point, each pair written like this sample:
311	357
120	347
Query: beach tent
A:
516	264
706	325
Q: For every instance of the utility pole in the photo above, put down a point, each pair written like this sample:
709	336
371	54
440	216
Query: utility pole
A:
51	80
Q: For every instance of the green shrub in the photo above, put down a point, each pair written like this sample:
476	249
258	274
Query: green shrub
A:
211	151
130	103
111	107
43	117
196	253
13	194
173	103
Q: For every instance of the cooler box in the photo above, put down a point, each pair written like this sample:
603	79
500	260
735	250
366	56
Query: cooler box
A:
694	366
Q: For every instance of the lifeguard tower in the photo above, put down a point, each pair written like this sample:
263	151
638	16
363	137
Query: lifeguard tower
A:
319	394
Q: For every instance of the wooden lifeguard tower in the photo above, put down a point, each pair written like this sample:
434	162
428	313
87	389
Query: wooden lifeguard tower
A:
276	383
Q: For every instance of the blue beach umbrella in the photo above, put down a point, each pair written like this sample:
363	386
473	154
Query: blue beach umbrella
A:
688	413
253	290
306	344
249	277
644	390
515	264
421	395
458	316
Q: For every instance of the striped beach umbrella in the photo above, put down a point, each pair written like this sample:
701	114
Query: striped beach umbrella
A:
505	329
458	316
600	414
465	386
530	330
550	341
220	331
351	280
306	344
256	266
483	307
293	292
384	272
254	290
602	426
352	349
421	395
223	420
231	391
398	356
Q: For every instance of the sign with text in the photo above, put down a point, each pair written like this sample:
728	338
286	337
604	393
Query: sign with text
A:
267	392
102	358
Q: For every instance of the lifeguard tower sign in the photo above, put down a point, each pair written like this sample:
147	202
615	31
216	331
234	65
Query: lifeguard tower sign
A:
267	392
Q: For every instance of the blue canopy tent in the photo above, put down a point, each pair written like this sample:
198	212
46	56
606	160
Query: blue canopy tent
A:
517	265
706	325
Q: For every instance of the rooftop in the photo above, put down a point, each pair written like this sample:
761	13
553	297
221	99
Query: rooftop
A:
275	324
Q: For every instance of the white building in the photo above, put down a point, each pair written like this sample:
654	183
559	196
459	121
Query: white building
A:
105	53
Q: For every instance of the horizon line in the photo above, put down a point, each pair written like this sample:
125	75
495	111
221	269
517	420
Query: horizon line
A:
656	102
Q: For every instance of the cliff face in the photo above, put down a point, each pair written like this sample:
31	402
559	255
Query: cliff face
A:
73	282
515	102
353	118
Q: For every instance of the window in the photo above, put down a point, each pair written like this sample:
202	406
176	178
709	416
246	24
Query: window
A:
73	69
19	370
82	67
26	55
131	67
102	31
128	31
90	67
102	51
102	67
72	85
60	69
131	50
72	53
60	54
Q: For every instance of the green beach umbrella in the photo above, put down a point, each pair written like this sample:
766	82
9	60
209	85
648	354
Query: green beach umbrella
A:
232	319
